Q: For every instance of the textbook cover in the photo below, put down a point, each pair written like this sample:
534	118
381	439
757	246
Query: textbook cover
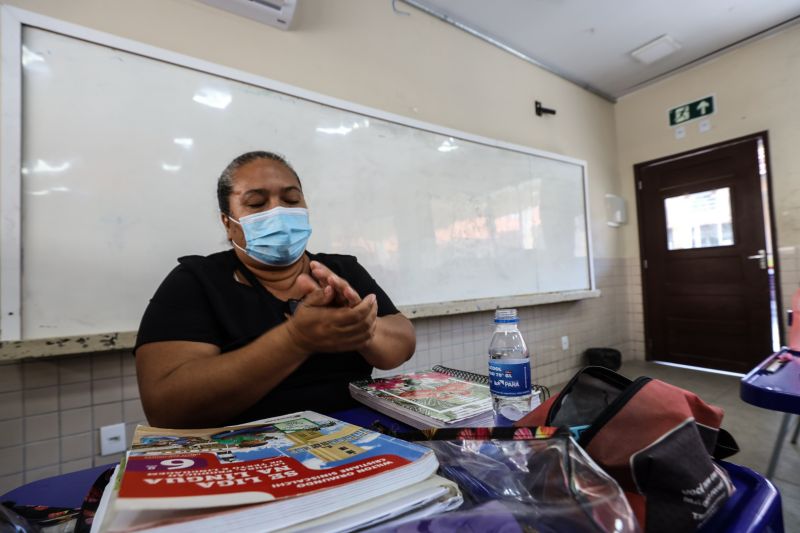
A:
428	398
304	464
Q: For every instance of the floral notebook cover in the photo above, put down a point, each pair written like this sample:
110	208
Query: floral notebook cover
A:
428	393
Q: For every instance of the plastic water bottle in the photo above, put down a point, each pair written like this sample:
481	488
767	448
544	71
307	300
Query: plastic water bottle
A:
509	367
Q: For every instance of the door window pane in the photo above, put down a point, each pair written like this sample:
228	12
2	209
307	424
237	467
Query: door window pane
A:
699	220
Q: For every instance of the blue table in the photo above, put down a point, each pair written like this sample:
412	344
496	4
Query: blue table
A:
777	391
754	507
66	490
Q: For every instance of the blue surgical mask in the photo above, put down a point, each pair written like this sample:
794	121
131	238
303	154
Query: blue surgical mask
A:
276	237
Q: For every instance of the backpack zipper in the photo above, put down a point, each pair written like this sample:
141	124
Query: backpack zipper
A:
613	408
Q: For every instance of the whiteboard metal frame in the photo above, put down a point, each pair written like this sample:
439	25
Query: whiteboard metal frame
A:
10	178
12	20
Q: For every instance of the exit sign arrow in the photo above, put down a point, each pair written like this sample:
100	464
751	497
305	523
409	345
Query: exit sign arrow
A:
691	111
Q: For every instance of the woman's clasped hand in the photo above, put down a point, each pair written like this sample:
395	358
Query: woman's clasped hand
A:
332	316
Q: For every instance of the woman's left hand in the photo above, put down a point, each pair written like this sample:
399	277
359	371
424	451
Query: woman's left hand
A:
344	294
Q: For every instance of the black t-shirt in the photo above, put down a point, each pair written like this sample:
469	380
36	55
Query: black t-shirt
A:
200	300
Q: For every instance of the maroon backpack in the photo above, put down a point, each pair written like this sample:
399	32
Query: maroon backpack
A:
655	439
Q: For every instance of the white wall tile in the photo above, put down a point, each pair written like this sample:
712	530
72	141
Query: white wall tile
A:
77	464
11	482
42	453
10	405
76	446
41	473
75	420
107	390
75	369
106	365
41	427
107	413
11	461
11	432
40	400
39	374
73	395
10	377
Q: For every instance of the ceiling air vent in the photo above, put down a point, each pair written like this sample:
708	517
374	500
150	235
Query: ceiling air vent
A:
656	49
277	13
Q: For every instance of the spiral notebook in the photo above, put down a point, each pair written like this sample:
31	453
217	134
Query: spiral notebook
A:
462	374
435	398
539	393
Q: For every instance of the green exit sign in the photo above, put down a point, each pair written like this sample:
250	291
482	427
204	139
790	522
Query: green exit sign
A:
697	109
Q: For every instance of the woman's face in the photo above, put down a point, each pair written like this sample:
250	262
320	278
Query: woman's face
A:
258	186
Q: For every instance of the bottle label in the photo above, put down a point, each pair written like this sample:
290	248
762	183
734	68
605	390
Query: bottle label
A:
510	377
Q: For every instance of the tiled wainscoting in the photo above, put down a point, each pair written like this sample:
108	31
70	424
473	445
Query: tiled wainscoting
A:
50	410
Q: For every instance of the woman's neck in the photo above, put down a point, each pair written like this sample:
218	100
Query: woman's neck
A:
280	281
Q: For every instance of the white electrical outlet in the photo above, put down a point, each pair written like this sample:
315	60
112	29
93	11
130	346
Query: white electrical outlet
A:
112	439
565	343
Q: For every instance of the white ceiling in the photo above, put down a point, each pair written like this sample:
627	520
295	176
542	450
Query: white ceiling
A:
589	41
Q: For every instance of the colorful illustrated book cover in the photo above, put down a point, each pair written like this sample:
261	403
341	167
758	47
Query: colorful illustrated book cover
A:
433	394
267	460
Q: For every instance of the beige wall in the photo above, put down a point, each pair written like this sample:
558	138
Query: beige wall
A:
757	88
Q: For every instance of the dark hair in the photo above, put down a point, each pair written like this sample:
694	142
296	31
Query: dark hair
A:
225	181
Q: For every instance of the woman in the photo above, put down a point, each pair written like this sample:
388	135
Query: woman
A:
265	328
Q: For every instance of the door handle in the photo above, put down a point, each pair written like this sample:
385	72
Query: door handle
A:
761	256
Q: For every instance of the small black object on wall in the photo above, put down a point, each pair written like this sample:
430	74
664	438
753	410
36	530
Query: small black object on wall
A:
541	110
605	357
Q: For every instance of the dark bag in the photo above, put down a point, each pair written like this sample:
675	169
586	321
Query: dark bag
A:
655	439
605	357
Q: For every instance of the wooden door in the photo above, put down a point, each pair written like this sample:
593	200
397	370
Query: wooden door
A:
708	285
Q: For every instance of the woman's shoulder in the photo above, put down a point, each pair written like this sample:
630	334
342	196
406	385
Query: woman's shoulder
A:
194	270
222	262
197	278
325	258
336	262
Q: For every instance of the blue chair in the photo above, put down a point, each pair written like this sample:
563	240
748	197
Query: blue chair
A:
754	507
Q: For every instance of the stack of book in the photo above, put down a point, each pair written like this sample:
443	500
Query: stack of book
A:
436	398
302	471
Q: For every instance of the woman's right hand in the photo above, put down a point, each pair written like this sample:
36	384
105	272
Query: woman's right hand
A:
315	326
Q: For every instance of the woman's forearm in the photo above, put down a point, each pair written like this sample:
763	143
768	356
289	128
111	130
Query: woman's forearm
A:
393	343
208	391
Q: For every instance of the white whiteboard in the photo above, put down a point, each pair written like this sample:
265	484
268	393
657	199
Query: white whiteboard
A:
120	153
